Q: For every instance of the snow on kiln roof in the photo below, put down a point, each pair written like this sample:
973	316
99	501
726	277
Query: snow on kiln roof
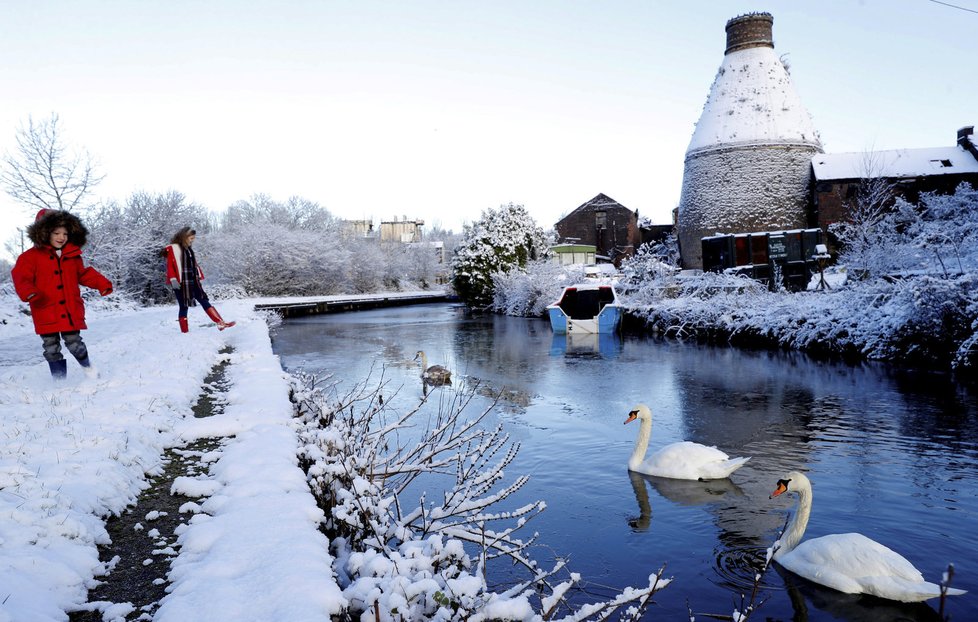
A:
752	101
894	163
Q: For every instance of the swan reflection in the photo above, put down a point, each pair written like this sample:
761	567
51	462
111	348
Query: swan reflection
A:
806	595
692	492
679	491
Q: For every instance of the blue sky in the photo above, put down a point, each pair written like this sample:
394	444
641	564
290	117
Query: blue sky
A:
438	110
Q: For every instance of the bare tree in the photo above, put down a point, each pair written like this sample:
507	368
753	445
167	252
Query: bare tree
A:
867	234
42	173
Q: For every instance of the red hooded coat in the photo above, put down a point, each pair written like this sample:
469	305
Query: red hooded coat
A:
51	285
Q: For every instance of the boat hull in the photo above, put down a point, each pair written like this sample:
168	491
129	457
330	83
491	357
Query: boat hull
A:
586	309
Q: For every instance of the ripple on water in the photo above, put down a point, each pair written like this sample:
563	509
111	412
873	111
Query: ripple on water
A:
738	567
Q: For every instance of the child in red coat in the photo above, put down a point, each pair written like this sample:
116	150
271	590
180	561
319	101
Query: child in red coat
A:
184	275
48	276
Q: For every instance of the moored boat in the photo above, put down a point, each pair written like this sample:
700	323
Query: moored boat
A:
586	308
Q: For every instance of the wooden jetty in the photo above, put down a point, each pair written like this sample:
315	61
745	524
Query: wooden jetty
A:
341	304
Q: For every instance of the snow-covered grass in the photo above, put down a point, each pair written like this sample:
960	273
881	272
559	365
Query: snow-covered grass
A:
76	452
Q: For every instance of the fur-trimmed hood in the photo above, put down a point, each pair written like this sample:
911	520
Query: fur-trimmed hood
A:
48	220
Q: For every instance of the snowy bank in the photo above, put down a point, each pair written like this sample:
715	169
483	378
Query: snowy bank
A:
79	451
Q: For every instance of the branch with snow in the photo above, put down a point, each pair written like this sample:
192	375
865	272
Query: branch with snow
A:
430	561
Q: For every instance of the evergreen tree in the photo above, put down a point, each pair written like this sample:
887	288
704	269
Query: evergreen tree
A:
502	240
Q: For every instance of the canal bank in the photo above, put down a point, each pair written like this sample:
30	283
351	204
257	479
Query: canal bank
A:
299	307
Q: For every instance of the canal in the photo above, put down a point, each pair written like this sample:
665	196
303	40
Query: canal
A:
891	454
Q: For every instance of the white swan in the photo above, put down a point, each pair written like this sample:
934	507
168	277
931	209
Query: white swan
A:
848	562
682	460
436	374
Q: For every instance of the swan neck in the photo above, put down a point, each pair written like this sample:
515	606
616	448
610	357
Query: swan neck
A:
795	530
641	443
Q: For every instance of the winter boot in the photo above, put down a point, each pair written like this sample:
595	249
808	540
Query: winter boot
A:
214	315
184	327
86	364
59	369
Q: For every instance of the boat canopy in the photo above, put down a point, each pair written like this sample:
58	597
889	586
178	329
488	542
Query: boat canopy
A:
584	304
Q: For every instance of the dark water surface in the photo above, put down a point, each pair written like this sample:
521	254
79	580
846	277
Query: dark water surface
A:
891	454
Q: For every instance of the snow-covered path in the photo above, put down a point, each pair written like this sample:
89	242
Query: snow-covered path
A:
75	452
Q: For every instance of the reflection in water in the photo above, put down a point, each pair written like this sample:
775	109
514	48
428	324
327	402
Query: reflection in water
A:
693	492
805	596
602	345
894	452
641	522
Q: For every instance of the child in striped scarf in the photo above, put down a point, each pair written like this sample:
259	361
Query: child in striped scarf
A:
184	275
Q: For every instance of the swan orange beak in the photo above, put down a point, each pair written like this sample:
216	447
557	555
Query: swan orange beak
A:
781	489
632	416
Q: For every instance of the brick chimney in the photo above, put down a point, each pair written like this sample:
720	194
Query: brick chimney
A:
754	30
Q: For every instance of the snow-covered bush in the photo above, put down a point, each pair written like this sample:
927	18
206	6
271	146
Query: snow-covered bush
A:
652	266
431	561
938	236
502	240
916	301
527	294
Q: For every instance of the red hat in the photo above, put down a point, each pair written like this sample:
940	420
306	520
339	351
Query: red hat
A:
41	213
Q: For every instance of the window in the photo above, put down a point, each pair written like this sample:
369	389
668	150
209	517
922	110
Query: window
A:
600	219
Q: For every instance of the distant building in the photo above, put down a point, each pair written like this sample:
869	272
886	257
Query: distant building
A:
405	231
837	177
605	224
359	228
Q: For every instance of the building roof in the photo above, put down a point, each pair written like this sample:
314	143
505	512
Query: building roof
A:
601	201
573	248
894	164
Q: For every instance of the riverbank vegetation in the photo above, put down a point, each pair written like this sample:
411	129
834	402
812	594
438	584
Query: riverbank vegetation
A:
443	556
905	290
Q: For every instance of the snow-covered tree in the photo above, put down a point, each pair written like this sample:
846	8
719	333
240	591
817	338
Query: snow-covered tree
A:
125	241
651	264
944	229
502	240
295	213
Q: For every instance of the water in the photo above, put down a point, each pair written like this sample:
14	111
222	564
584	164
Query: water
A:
890	454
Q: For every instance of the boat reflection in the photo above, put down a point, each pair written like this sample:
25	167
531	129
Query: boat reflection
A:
604	345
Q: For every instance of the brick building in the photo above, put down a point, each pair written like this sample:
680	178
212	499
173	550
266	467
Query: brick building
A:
605	224
837	177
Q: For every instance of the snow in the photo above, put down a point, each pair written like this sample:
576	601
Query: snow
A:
76	452
752	101
894	163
